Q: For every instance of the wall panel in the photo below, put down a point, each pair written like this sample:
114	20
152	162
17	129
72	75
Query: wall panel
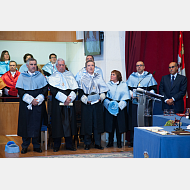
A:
48	36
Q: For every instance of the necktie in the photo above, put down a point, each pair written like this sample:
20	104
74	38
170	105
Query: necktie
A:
172	81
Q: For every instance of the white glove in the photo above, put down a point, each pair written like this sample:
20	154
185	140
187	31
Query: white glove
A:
122	104
102	96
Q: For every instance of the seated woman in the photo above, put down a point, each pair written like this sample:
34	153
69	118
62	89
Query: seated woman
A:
25	58
116	104
4	62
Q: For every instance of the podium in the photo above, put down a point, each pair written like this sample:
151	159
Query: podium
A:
146	101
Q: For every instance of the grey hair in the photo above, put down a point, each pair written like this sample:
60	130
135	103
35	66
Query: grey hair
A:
59	59
30	59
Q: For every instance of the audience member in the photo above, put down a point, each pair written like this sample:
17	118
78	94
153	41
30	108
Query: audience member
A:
83	70
63	88
173	87
10	79
24	67
4	64
116	104
92	93
32	89
50	67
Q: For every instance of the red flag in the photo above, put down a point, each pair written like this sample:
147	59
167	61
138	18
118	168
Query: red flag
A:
181	63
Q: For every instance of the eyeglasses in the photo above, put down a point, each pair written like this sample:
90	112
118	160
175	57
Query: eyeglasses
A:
171	67
53	57
139	65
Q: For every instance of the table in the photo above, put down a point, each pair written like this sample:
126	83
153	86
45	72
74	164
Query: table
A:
160	120
160	146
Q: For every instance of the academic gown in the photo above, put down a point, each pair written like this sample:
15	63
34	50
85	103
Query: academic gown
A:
11	81
4	67
2	84
23	68
83	71
63	118
144	81
118	92
30	121
48	69
91	115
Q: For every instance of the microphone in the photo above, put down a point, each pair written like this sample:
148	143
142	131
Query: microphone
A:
150	79
143	78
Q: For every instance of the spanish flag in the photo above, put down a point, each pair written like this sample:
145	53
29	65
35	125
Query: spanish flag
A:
181	63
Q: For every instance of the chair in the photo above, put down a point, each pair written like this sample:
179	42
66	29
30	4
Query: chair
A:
44	136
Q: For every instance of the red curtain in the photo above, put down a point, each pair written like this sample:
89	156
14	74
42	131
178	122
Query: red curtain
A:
156	49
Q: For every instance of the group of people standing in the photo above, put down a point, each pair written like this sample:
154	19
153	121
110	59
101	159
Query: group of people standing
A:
105	107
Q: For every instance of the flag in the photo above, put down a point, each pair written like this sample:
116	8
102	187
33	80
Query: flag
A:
181	62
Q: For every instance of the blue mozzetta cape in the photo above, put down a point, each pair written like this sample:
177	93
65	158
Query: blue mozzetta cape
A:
134	79
23	68
63	81
4	67
27	82
91	84
118	92
49	68
83	71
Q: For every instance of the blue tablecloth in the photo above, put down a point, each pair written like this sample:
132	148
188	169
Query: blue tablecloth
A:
160	146
160	120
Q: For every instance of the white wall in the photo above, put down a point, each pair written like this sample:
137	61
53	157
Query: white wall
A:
75	59
40	50
112	53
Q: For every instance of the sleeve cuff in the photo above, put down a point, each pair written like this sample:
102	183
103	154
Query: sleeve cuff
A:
61	97
72	96
27	98
84	99
122	104
106	103
40	98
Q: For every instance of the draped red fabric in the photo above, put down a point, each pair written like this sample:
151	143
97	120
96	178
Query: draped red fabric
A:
156	49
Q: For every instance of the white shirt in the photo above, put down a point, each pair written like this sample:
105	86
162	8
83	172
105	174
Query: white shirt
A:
13	73
31	73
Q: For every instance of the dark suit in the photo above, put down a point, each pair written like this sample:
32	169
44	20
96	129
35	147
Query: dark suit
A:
177	91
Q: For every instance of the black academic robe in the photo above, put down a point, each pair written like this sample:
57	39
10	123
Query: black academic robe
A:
63	118
30	121
121	120
91	115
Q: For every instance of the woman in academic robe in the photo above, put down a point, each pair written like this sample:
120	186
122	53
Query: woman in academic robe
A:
4	62
24	68
116	104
